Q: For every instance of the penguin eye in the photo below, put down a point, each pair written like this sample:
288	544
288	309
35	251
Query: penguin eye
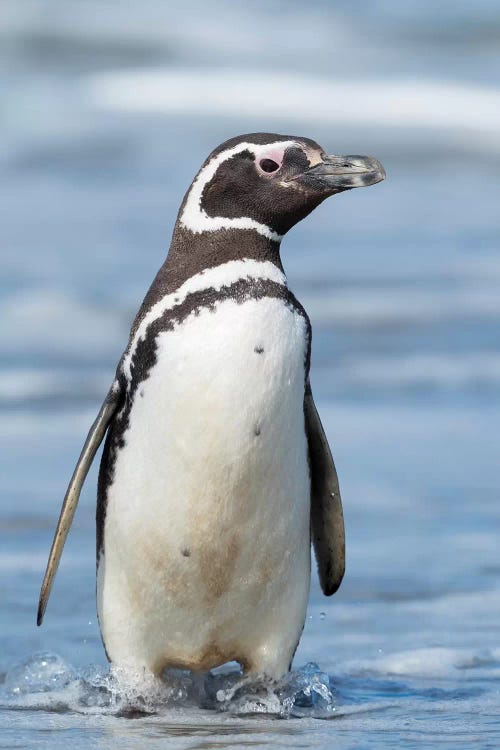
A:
269	165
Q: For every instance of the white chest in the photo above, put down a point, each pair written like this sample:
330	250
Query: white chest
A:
210	498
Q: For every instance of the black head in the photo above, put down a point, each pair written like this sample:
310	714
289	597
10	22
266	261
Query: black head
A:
268	183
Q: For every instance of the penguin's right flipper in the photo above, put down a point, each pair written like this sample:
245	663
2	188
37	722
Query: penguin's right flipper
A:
327	520
92	443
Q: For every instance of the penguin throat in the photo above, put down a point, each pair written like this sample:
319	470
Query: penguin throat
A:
202	222
193	253
194	256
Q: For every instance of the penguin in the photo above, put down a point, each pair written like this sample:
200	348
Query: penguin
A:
216	473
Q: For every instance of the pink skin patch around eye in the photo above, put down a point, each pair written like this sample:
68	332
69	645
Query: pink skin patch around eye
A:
275	154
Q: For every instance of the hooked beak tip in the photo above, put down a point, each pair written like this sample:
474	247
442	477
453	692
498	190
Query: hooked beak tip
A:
338	173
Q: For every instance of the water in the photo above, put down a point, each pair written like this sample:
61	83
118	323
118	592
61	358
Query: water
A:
105	120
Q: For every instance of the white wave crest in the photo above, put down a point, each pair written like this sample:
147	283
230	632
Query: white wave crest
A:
455	371
303	98
431	662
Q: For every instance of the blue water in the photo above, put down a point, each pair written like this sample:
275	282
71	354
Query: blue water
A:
402	285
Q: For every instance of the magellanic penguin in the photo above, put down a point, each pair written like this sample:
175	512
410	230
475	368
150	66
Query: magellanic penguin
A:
216	471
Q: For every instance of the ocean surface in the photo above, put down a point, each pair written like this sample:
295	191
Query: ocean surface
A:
107	111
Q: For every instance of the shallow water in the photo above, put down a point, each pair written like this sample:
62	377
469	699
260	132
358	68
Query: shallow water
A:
401	282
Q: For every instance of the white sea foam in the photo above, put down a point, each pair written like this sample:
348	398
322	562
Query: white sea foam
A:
429	662
448	371
34	383
32	430
240	93
52	320
393	305
35	562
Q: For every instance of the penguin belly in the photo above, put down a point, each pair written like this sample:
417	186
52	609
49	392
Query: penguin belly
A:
206	540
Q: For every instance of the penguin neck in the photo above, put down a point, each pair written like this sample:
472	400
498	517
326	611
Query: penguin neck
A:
191	253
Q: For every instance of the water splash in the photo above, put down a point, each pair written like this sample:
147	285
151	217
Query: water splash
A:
46	682
40	673
302	692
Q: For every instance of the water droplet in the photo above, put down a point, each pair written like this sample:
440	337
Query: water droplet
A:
322	615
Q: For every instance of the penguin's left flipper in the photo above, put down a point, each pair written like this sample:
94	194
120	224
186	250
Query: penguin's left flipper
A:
327	519
92	443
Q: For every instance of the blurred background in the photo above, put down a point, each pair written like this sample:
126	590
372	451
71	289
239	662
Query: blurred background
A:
107	110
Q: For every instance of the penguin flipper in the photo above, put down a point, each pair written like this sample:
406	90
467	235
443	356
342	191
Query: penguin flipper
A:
327	520
92	443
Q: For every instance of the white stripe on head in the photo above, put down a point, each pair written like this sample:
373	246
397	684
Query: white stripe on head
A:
211	278
197	220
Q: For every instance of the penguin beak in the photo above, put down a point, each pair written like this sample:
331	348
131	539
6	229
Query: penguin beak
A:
336	173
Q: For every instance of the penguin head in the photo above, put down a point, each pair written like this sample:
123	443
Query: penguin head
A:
269	182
